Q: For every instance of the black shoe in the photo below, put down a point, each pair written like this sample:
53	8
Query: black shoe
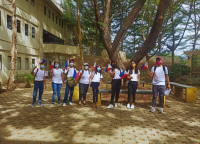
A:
52	104
59	103
40	104
33	104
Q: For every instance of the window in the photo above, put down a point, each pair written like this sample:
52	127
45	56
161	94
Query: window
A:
50	38
32	2
26	64
18	26
18	63
49	14
62	24
33	32
53	16
9	22
26	29
9	60
0	62
56	20
44	10
0	18
33	63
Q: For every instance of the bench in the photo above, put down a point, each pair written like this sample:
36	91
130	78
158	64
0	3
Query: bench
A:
141	82
125	91
190	92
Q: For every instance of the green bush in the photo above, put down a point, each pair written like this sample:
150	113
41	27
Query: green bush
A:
177	70
28	78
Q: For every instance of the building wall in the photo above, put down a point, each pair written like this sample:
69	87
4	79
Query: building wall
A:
27	46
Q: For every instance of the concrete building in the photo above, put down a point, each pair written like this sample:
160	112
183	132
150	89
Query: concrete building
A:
41	33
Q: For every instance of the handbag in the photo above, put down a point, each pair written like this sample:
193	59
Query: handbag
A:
71	82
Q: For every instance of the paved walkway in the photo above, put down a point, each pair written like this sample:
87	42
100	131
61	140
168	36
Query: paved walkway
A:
21	124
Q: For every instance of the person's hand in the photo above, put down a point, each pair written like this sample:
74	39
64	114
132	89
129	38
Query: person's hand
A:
99	87
131	77
68	68
114	72
90	85
149	72
169	87
35	67
138	87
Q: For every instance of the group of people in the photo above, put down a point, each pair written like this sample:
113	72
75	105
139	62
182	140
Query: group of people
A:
94	79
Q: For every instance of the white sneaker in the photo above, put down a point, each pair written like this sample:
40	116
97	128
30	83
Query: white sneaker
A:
132	106
110	106
152	109
64	104
161	110
70	103
128	106
115	104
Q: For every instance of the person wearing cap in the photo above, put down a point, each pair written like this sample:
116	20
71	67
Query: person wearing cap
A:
158	74
84	84
69	74
40	82
116	83
57	82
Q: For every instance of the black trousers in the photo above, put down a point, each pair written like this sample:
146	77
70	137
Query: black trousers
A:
83	88
116	86
132	87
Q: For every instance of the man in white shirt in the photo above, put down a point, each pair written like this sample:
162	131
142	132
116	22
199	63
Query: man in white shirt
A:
69	74
40	82
159	73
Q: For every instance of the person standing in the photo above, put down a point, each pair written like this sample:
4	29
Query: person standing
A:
134	83
95	83
159	73
70	82
116	83
84	84
40	82
57	82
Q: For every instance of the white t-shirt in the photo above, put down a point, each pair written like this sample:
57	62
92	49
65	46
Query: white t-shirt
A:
57	78
85	79
40	74
159	75
96	77
70	73
117	73
135	76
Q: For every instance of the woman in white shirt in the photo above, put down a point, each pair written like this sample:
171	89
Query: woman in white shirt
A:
57	82
116	83
84	84
96	79
134	83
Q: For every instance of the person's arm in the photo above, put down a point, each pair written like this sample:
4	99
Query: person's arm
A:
138	81
167	78
51	74
67	71
45	86
91	79
112	74
32	72
62	78
80	76
100	84
151	74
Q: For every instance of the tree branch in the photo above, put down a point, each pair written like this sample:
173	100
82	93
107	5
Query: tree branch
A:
113	15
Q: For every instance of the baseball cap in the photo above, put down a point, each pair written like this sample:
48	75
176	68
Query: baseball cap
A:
85	64
71	60
158	58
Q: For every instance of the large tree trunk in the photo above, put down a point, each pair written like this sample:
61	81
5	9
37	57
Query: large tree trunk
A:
79	33
13	48
151	40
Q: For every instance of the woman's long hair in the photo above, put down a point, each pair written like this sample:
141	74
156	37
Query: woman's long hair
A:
96	69
55	63
131	69
113	67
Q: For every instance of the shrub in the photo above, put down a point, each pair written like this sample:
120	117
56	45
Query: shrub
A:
28	78
177	70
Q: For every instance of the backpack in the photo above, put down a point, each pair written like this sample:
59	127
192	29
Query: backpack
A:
163	70
88	71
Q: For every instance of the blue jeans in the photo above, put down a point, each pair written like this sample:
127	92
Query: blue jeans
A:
95	90
40	86
71	89
56	89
